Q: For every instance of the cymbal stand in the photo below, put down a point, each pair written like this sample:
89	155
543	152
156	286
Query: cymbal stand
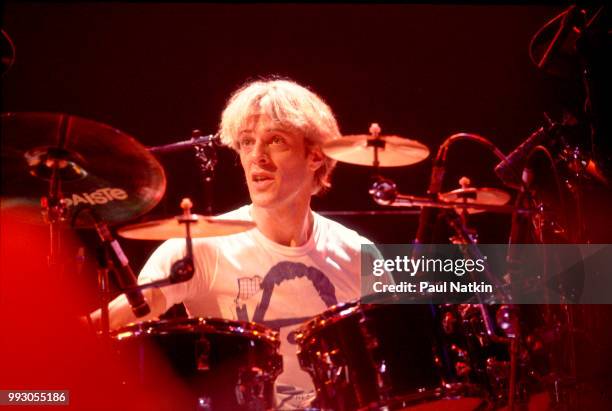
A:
53	208
105	264
183	269
467	239
544	228
377	143
206	155
470	250
464	182
54	212
104	290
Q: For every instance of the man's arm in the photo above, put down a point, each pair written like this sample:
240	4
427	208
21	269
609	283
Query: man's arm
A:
157	267
120	311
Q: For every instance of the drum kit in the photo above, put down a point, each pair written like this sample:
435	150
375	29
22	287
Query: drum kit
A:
65	170
450	356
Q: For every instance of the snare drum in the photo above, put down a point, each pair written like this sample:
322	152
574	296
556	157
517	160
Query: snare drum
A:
363	357
198	364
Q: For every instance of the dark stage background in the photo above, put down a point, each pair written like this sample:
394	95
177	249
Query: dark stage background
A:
156	71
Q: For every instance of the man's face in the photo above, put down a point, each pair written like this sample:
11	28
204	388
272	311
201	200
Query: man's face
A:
278	170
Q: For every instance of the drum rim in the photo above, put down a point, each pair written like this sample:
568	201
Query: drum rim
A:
213	325
331	316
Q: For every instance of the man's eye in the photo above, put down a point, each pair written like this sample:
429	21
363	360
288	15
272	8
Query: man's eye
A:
246	142
277	140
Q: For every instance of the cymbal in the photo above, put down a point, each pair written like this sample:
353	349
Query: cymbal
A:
96	165
392	151
201	226
482	195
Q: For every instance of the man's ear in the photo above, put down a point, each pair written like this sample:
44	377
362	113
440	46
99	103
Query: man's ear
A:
316	158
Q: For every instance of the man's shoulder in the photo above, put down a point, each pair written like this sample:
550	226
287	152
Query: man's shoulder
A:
331	230
240	213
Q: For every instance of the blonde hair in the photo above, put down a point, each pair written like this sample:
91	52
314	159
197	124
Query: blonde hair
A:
290	104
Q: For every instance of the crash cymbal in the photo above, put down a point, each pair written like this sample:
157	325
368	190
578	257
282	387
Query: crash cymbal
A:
201	226
96	165
481	195
364	149
393	151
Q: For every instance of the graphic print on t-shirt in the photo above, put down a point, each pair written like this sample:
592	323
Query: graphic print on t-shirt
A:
282	271
247	287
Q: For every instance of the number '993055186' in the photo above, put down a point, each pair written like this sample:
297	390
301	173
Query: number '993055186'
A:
28	397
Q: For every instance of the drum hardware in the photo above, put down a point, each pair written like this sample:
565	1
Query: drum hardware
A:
468	195
115	261
251	387
202	354
581	164
376	150
506	318
550	192
200	226
206	155
505	358
219	365
66	158
196	139
103	291
352	353
509	169
499	374
376	358
59	162
467	241
183	269
429	212
384	192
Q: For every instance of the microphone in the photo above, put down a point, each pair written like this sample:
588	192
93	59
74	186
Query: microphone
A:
124	274
509	170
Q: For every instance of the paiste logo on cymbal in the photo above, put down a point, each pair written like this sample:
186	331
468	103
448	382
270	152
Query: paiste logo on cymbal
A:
100	196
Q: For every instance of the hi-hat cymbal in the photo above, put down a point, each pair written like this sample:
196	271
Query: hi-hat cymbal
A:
362	149
201	226
95	165
482	195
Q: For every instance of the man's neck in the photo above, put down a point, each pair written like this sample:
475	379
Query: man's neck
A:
290	227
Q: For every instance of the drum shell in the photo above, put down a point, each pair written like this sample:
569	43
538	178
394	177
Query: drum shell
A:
204	364
359	355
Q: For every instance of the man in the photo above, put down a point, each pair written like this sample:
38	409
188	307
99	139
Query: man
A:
295	263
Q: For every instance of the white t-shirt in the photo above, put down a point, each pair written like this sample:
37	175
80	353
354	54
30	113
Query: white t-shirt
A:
248	277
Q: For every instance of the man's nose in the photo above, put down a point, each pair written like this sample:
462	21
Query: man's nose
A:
260	152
